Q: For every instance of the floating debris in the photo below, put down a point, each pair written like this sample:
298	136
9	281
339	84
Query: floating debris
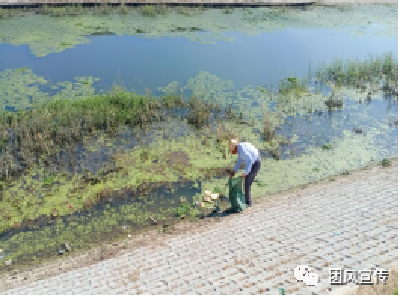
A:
153	220
207	199
67	246
214	197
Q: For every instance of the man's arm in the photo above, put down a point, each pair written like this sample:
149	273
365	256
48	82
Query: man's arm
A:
237	165
239	161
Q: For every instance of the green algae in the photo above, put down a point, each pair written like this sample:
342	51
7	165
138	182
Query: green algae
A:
23	89
81	232
196	156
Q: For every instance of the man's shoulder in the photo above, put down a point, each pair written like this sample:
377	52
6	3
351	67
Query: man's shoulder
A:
247	144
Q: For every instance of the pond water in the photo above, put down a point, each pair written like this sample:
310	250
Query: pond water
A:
142	63
223	58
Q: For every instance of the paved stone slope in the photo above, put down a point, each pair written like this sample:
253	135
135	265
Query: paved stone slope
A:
256	251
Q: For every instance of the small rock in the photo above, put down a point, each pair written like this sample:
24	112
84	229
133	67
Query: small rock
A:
124	227
129	235
396	122
207	193
201	204
357	130
60	252
8	263
15	271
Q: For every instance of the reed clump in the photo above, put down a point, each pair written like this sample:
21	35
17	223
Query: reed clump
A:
292	85
37	135
201	112
28	136
380	72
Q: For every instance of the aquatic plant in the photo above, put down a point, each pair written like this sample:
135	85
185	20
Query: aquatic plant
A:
292	85
327	146
161	9
354	73
227	10
187	11
386	162
149	10
48	180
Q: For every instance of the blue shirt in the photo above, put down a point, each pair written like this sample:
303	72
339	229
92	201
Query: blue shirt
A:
247	154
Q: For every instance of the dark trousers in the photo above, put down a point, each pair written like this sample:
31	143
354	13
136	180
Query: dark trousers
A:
250	178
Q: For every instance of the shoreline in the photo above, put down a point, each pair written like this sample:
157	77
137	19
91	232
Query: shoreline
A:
153	238
214	3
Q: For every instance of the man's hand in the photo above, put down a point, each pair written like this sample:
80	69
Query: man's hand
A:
232	173
243	175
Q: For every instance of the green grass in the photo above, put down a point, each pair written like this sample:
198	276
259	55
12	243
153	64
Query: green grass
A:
396	292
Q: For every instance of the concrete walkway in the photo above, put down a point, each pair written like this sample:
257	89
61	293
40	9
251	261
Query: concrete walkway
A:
351	223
